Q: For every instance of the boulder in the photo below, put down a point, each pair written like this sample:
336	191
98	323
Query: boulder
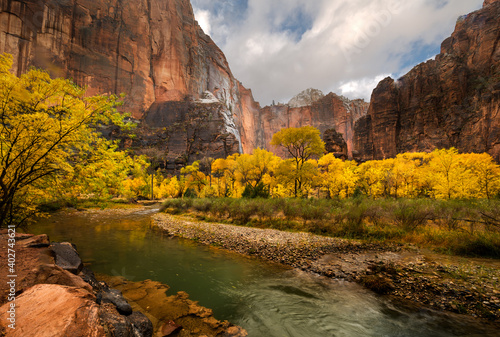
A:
88	276
115	297
67	257
52	274
49	310
141	324
115	324
39	241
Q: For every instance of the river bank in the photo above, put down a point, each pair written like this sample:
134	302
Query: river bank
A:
463	286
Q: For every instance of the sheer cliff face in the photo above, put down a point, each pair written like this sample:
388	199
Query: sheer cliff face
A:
152	50
156	53
452	101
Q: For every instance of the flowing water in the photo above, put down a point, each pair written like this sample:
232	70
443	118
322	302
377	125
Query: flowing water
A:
266	299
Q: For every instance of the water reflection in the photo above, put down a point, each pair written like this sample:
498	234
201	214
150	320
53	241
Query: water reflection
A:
266	299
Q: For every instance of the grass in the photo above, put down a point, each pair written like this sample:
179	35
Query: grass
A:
457	227
53	206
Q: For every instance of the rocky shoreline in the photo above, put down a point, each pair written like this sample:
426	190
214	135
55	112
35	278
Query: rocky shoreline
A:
462	286
55	295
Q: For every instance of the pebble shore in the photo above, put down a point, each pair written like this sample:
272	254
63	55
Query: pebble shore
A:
293	249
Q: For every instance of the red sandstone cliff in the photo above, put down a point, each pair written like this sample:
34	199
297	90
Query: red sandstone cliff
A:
156	53
326	112
452	101
152	50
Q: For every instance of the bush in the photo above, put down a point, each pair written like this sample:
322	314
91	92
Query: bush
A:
190	193
385	219
480	245
259	191
353	220
411	214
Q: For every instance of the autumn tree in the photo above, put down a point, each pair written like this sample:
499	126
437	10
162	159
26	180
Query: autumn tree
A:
47	128
301	144
337	177
444	170
256	169
483	178
225	172
194	177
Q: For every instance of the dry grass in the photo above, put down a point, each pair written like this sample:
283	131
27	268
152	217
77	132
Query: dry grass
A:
459	227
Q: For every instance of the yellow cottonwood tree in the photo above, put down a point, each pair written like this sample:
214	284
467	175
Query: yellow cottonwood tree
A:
301	144
194	177
46	127
256	168
445	170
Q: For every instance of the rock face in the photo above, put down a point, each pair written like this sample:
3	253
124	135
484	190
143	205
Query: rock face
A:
51	310
335	143
179	85
177	133
172	315
152	50
328	112
452	101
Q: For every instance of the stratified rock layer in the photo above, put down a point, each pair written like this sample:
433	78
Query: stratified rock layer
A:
179	84
452	101
329	112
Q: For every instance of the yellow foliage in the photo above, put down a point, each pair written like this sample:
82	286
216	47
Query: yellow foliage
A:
49	143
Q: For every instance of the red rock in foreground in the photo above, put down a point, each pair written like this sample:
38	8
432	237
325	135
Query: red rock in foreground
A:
51	310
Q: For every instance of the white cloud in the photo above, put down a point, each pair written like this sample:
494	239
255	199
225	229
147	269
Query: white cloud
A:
361	88
203	18
280	47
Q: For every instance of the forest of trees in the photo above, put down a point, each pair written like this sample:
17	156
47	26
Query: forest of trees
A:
52	148
441	174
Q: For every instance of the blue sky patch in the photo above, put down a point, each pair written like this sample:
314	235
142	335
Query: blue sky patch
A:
296	24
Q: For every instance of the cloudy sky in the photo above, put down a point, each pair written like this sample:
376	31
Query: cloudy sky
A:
280	47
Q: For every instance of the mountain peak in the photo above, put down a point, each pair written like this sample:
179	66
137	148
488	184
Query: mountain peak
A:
306	98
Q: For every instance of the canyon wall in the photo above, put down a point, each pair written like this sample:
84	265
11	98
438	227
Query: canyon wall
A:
451	101
152	50
178	83
323	112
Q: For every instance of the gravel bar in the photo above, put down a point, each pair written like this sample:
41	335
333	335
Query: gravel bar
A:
293	249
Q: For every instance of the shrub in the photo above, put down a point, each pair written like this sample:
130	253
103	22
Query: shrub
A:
259	191
480	245
353	220
411	215
190	193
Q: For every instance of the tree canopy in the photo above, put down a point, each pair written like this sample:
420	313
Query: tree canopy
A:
50	143
301	144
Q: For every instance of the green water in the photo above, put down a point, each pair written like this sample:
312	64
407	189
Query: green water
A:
266	299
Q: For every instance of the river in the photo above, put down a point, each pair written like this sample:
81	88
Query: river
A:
266	299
